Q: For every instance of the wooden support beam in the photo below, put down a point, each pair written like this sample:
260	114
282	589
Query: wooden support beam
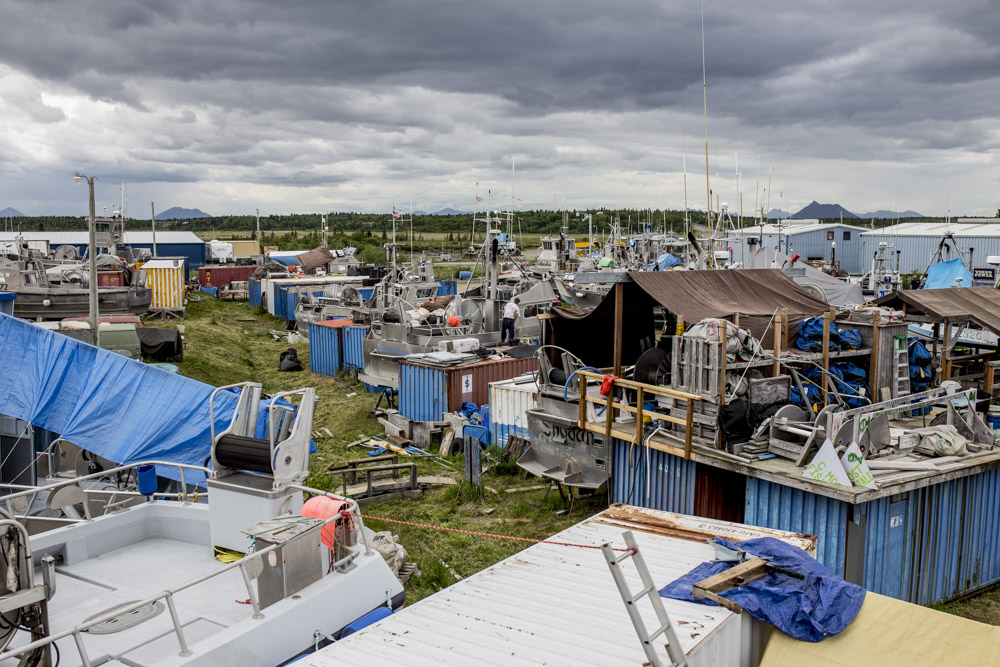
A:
639	398
619	307
873	365
723	334
784	331
777	345
946	353
582	419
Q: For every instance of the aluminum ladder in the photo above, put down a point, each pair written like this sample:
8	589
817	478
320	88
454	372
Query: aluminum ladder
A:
674	650
902	376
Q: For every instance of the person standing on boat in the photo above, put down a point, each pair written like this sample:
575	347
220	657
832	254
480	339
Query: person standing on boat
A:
510	314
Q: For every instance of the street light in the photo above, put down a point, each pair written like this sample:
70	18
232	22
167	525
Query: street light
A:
92	250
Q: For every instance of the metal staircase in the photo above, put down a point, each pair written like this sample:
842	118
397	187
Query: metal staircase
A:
649	590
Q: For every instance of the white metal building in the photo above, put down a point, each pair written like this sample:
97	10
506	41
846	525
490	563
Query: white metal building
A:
917	242
812	239
558	605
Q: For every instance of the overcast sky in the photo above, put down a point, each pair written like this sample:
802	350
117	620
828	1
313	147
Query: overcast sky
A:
337	105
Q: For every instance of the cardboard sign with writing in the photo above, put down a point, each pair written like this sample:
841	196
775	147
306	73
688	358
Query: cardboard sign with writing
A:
857	469
826	467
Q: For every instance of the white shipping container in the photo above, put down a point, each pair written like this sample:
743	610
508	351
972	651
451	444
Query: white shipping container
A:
510	401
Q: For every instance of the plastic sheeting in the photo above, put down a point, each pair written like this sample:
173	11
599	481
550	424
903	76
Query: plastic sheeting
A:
835	291
108	404
952	273
816	606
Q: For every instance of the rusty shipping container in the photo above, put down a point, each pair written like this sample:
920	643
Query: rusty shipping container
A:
426	392
220	276
110	279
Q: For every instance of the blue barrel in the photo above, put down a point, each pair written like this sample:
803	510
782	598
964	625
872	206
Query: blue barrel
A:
366	620
146	476
993	421
464	275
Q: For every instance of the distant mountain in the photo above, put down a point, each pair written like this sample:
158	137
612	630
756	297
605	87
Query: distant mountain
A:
816	210
450	211
779	215
178	213
11	213
883	214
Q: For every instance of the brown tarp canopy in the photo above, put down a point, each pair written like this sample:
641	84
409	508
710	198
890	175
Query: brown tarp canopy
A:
589	333
314	258
952	304
754	294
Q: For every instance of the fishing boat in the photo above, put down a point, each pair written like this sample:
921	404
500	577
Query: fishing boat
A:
117	568
406	321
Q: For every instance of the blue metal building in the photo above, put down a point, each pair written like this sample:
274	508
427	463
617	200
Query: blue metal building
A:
927	541
916	242
168	244
813	240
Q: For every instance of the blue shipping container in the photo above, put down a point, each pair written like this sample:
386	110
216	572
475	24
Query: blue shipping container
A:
366	292
353	344
254	293
423	393
324	349
671	479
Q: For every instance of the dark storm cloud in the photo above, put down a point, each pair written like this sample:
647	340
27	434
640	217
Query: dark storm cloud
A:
319	93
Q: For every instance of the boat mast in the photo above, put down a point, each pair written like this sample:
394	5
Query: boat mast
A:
704	97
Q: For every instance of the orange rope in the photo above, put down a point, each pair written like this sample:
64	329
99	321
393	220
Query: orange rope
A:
477	533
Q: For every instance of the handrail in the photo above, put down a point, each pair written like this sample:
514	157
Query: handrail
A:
641	389
168	593
34	491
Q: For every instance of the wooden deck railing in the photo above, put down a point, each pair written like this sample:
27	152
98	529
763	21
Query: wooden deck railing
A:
642	390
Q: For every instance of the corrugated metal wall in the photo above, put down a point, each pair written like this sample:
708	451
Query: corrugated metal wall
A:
916	251
354	352
221	275
324	349
167	285
782	507
193	253
935	543
423	394
426	394
509	405
816	244
671	479
254	293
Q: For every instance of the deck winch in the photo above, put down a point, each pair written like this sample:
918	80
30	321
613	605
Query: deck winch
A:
252	477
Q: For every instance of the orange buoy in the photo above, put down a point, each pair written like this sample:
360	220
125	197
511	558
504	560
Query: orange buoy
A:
453	321
324	507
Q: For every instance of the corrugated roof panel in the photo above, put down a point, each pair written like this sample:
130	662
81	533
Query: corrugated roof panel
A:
552	604
938	229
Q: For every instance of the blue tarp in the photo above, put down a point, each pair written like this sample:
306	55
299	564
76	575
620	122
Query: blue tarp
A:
666	261
944	274
212	291
285	260
116	407
817	606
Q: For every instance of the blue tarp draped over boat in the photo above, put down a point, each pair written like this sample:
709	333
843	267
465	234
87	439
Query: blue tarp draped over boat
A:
287	260
116	407
666	261
946	274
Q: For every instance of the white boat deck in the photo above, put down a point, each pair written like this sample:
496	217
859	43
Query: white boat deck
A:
558	605
125	558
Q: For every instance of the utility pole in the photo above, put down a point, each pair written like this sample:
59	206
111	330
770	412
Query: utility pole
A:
152	221
92	250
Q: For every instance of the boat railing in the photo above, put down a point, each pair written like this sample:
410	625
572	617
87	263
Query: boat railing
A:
168	594
29	494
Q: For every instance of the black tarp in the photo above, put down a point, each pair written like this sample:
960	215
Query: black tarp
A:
161	344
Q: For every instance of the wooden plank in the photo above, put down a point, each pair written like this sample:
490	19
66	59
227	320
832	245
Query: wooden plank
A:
688	425
784	332
873	365
583	403
649	388
723	332
776	370
609	409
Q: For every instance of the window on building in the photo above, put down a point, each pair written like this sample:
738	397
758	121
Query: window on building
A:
847	236
829	235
